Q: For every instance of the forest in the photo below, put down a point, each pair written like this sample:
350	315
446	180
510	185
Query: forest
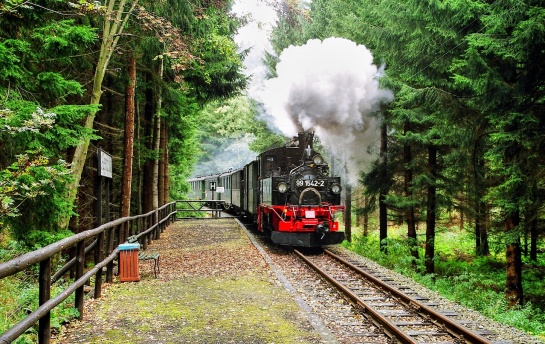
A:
159	85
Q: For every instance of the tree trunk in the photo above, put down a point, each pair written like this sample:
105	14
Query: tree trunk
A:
533	238
348	214
532	219
126	181
462	219
155	182
166	179
409	211
513	260
157	141
138	158
366	216
481	234
431	209
147	175
111	32
383	209
359	199
162	164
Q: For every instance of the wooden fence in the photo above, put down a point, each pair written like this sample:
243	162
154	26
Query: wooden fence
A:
102	242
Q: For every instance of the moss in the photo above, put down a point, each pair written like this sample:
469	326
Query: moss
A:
204	310
116	336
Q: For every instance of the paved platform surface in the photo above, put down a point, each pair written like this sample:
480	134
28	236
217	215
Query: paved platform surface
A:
214	287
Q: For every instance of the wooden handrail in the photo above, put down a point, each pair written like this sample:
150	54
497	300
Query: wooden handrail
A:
155	220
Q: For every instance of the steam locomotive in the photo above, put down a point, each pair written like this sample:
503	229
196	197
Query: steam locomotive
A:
287	191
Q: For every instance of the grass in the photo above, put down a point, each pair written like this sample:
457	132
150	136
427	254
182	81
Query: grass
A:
475	282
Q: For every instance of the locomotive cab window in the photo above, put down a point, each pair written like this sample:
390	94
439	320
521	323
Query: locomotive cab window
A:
269	164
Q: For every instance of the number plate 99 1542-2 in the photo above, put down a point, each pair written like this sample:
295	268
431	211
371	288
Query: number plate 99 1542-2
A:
314	183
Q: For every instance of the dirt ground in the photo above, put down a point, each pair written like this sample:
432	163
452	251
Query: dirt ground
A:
214	287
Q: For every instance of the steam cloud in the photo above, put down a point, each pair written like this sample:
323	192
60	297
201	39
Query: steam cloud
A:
330	87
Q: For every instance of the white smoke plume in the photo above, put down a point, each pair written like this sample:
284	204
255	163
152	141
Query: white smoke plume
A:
332	88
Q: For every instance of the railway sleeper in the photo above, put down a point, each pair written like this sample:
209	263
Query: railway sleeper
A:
426	333
380	304
362	334
413	323
381	299
389	313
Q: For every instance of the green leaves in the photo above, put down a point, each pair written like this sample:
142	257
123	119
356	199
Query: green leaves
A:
10	69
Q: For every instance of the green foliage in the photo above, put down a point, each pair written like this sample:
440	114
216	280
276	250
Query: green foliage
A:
227	129
42	59
33	185
217	73
57	86
63	39
10	70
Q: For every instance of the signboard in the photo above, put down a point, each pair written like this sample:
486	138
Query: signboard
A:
220	189
104	164
212	186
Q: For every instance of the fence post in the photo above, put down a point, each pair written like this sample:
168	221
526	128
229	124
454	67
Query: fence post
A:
144	239
156	223
109	249
99	256
44	326
80	264
161	218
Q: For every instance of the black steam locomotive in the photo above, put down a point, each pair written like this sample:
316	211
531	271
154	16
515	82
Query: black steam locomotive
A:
287	191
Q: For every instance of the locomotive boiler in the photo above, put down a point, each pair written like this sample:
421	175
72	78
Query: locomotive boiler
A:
288	192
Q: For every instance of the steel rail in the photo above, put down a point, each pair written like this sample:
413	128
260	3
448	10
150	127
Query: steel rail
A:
388	327
451	326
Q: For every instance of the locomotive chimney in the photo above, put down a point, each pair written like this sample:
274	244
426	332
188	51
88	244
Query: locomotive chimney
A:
305	141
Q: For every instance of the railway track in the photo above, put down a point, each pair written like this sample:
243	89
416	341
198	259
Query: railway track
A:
394	310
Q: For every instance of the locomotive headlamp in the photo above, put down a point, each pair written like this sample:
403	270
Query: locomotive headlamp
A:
282	187
317	159
336	188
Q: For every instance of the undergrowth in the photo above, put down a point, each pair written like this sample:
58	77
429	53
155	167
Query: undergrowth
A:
19	296
474	282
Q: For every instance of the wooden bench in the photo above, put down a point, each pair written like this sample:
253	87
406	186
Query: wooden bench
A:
147	256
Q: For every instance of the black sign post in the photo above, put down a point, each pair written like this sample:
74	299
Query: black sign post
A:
104	168
104	171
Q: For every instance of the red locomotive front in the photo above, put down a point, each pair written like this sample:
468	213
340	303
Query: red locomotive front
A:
297	197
